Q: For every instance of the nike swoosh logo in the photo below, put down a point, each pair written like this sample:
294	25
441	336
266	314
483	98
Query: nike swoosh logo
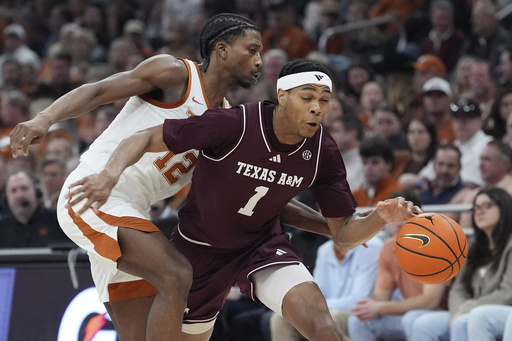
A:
423	238
195	100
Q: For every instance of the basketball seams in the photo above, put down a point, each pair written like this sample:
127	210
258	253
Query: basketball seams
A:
454	230
437	235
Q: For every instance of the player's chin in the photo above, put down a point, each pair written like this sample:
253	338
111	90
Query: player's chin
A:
246	83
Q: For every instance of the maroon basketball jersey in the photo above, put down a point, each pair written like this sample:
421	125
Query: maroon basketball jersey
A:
244	177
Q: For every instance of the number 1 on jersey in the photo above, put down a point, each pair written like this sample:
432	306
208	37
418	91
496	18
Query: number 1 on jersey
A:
248	209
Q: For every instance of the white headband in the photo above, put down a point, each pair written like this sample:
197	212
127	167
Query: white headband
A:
297	79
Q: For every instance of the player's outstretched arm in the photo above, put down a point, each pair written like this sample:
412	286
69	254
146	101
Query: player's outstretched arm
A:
96	188
162	71
349	232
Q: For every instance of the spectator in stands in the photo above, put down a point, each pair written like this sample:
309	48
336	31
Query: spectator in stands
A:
422	142
378	160
483	86
11	75
460	83
386	124
15	47
14	108
60	80
94	19
27	223
59	16
484	279
496	123
133	31
490	322
446	182
426	67
61	148
120	49
372	94
395	293
282	31
444	39
358	74
504	68
85	51
488	37
437	97
470	139
344	277
495	167
53	174
347	131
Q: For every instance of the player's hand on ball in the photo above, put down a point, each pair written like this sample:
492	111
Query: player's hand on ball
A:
397	210
95	189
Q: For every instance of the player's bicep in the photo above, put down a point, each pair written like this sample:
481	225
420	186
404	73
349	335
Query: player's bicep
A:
164	72
155	138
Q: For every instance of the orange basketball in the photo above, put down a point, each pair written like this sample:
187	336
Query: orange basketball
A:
431	248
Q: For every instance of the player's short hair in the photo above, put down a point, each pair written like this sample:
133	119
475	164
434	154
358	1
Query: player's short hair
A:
303	65
222	27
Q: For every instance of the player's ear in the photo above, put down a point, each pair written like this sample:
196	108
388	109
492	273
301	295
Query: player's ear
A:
281	96
221	49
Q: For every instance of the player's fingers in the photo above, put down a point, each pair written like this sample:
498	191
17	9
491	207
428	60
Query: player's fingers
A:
77	183
84	208
416	210
76	192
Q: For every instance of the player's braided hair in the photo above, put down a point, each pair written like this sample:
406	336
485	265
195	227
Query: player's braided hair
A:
222	27
303	65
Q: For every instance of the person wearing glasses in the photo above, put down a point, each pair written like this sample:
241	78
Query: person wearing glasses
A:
486	277
469	138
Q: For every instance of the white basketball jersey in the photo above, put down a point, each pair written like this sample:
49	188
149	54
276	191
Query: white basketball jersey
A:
156	175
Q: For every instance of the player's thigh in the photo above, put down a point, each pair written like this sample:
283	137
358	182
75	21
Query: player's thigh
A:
151	255
274	283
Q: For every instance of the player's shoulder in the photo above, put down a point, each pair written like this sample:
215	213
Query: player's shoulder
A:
165	65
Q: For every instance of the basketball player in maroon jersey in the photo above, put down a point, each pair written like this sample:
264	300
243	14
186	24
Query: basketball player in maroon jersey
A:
254	159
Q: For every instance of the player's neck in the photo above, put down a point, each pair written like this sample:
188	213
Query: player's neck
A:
215	89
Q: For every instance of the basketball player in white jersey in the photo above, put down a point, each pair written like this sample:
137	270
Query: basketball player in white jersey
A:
143	280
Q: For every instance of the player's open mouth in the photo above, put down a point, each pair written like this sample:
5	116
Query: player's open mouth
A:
314	125
255	77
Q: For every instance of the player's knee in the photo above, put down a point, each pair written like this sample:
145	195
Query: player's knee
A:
177	276
322	327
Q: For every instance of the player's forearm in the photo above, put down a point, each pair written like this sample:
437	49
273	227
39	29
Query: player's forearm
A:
131	150
349	232
71	105
305	218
